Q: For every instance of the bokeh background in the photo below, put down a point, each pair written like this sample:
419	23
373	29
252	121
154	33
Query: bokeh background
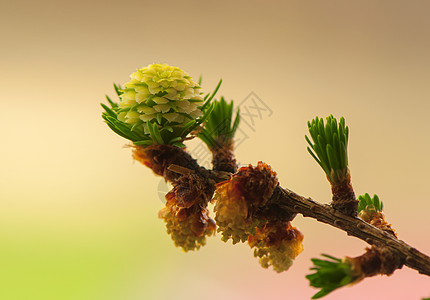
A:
78	217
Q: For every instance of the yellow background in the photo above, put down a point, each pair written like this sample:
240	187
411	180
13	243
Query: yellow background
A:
78	218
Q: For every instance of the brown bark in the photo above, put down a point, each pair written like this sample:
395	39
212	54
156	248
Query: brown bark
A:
353	226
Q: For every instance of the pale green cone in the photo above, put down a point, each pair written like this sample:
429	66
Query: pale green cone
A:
160	93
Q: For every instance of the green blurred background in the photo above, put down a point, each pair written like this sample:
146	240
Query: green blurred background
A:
78	218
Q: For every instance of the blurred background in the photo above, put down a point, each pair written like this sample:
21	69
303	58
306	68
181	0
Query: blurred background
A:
78	217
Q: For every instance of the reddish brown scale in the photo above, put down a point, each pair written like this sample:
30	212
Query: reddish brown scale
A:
202	223
190	190
274	233
255	184
178	212
188	199
284	233
181	213
197	216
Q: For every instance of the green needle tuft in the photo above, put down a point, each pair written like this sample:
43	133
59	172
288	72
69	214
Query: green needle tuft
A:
220	128
328	145
329	275
369	204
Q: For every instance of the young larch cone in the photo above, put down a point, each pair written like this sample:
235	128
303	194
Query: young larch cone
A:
162	92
